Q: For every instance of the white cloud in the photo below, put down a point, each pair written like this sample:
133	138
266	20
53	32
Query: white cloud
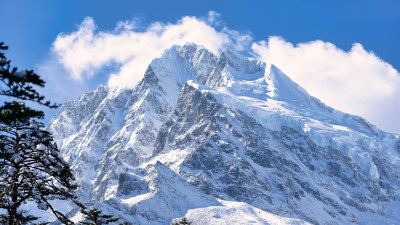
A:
86	51
356	81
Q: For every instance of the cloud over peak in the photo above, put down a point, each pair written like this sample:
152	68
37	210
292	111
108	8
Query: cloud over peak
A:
85	51
355	81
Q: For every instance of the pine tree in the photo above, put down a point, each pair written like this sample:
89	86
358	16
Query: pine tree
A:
95	217
18	84
23	219
31	168
183	221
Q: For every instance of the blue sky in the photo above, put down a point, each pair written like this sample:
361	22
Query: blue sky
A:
31	28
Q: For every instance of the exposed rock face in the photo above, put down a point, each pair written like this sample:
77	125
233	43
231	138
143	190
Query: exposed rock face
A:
200	130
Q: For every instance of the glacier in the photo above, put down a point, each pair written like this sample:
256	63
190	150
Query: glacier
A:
226	140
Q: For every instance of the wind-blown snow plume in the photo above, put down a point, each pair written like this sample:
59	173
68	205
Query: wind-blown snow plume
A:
87	50
355	81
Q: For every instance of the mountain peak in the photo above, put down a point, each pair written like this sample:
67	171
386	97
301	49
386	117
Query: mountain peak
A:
281	87
203	133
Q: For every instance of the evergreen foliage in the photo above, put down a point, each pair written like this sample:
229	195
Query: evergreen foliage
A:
183	221
95	217
18	84
31	168
22	219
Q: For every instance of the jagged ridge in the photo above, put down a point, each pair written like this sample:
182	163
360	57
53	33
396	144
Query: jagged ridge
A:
230	128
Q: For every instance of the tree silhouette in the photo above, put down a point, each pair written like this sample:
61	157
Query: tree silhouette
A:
31	168
183	221
18	84
95	217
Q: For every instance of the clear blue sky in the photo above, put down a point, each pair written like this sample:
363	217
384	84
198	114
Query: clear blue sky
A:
30	27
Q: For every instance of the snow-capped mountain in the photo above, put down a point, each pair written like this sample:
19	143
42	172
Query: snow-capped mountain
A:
226	140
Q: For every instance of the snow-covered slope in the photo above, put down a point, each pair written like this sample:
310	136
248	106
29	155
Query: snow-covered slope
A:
237	213
212	138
